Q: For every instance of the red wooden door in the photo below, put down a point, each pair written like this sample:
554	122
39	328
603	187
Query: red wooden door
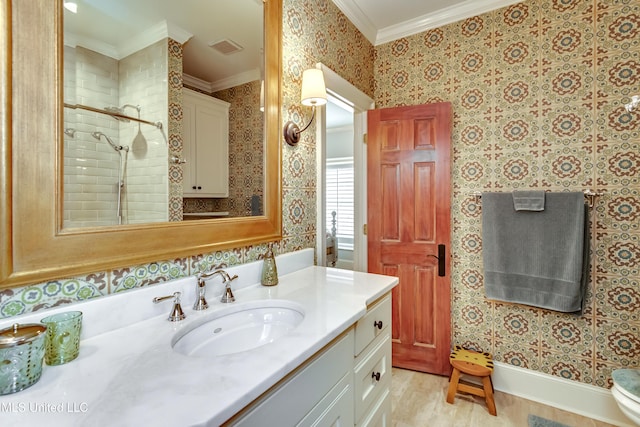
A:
409	206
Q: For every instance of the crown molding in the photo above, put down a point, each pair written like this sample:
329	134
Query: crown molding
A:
442	17
236	80
419	24
358	18
160	31
233	81
197	83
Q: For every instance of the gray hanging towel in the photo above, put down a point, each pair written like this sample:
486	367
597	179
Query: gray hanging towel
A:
538	258
528	200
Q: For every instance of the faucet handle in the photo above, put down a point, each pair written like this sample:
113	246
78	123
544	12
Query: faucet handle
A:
227	296
176	312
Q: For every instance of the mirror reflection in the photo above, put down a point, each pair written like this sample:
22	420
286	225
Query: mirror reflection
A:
162	118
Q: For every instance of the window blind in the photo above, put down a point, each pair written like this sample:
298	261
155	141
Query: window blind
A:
340	198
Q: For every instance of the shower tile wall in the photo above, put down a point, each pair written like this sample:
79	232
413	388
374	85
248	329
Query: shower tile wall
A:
143	82
538	90
91	166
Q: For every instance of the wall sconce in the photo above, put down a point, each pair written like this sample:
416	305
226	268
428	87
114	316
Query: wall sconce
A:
314	94
635	101
71	6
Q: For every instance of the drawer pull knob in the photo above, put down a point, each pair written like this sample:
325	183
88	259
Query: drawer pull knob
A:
375	376
378	324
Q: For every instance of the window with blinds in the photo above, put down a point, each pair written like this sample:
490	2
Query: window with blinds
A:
340	198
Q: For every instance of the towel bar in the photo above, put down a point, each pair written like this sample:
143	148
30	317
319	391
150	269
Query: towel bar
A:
589	194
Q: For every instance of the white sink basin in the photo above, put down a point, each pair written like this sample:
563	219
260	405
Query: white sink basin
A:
239	328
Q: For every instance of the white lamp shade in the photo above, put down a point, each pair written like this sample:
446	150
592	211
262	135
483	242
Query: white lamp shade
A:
71	6
313	89
262	95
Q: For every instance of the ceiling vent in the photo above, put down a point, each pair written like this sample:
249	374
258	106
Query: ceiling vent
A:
226	46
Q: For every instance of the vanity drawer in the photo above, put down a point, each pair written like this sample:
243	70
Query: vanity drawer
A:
379	414
372	373
374	323
336	409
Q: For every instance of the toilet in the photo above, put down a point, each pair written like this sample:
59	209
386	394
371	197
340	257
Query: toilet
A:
626	392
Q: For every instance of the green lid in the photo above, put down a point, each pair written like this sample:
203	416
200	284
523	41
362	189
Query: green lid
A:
20	334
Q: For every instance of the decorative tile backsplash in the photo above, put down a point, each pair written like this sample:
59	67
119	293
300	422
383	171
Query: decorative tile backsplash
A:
537	90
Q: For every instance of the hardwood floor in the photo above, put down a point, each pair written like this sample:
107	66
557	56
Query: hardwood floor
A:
419	401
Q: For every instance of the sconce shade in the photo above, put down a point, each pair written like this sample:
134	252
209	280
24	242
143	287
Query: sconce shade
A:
262	95
313	88
314	93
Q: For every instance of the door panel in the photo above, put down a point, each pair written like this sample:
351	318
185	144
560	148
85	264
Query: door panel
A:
408	217
390	199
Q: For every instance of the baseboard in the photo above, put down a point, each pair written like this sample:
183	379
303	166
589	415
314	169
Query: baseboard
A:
582	399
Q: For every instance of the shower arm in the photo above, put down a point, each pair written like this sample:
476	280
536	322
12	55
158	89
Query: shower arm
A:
157	124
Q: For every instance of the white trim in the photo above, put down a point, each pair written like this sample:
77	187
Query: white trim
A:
236	80
437	19
419	24
233	81
192	81
358	18
582	399
321	175
95	45
160	31
339	129
360	102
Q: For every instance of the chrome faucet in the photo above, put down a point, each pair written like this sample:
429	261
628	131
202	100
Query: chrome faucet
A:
176	312
201	302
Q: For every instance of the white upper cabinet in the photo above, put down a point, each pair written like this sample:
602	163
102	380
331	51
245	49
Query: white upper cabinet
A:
205	134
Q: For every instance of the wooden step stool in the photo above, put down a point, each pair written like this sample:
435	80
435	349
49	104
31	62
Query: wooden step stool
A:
476	364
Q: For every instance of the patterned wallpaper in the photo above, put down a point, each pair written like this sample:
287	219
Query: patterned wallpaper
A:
538	90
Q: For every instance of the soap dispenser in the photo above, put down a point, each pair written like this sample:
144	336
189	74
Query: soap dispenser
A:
269	270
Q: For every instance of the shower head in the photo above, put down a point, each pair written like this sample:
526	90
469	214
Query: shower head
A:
98	135
135	107
116	112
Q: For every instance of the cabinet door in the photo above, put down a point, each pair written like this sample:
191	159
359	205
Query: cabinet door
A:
188	147
205	134
212	151
323	383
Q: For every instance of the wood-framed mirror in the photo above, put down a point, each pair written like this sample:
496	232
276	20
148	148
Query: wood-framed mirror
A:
35	246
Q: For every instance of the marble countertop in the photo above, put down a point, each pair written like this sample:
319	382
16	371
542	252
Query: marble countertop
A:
130	376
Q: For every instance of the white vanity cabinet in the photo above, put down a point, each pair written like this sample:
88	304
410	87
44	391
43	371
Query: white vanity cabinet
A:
347	383
372	366
205	136
319	393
